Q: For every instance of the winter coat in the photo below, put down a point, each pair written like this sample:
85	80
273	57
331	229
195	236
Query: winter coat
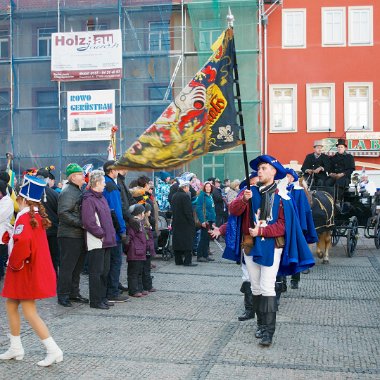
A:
113	196
51	207
69	204
150	241
6	214
97	221
137	245
207	213
220	206
126	197
161	191
30	274
183	224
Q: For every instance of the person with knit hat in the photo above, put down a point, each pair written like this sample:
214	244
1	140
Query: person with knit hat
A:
162	190
30	275
71	238
136	250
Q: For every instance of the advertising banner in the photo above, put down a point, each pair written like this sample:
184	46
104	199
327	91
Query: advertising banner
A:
90	115
78	56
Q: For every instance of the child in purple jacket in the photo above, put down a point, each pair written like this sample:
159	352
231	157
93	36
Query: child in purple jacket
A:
146	276
136	253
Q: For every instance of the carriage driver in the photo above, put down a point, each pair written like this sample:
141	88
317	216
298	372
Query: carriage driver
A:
265	242
342	165
316	166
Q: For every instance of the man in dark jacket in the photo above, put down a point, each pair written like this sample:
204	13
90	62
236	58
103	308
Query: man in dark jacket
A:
342	166
183	225
112	193
316	166
50	203
71	238
221	210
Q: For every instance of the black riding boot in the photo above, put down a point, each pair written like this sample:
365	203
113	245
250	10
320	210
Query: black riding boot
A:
249	312
259	317
280	287
268	307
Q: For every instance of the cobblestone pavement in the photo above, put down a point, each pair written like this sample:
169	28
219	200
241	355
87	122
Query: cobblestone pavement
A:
328	328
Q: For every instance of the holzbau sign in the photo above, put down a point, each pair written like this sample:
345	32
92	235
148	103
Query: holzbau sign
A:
365	144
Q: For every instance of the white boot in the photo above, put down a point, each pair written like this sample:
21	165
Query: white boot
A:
15	351
54	353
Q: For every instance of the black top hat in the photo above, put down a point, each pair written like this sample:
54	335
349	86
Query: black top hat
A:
341	142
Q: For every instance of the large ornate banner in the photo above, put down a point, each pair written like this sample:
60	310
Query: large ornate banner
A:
201	119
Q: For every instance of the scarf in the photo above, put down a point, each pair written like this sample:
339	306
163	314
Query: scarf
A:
266	204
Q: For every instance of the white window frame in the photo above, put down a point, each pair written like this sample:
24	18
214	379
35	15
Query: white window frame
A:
350	20
208	34
161	35
325	43
46	38
347	85
4	38
273	87
285	13
309	88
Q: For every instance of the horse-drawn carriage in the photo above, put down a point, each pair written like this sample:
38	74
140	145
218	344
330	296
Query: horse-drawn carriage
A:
358	210
343	219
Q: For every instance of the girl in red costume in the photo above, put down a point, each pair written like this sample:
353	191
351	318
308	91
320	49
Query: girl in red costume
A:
30	273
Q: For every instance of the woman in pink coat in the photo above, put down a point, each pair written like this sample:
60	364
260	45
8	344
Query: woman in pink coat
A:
30	273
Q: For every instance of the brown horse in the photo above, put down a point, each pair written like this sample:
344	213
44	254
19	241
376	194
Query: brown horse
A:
322	207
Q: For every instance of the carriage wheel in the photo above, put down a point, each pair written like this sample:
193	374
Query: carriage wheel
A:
334	237
352	236
377	233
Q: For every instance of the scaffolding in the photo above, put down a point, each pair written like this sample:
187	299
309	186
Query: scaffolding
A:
164	43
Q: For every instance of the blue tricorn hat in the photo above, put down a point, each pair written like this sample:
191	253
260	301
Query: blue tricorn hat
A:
32	188
254	164
292	173
244	182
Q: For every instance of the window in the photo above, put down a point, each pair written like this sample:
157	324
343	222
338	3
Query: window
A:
44	41
213	166
358	99
4	44
294	28
209	31
159	37
157	93
47	114
283	108
334	26
5	113
92	26
360	26
320	107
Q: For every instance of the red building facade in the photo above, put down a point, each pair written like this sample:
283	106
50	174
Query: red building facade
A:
322	79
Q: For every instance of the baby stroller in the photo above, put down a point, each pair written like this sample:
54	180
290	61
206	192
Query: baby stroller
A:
164	237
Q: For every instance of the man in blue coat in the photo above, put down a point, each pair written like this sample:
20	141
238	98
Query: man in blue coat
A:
264	226
113	196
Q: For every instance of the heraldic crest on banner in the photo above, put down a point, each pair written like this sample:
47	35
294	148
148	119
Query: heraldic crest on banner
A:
201	119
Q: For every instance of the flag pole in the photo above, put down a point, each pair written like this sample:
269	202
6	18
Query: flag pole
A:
230	22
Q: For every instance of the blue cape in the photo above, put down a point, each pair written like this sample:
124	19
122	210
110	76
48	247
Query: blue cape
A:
296	255
305	217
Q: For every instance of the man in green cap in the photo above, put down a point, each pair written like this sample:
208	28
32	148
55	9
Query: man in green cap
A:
71	238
